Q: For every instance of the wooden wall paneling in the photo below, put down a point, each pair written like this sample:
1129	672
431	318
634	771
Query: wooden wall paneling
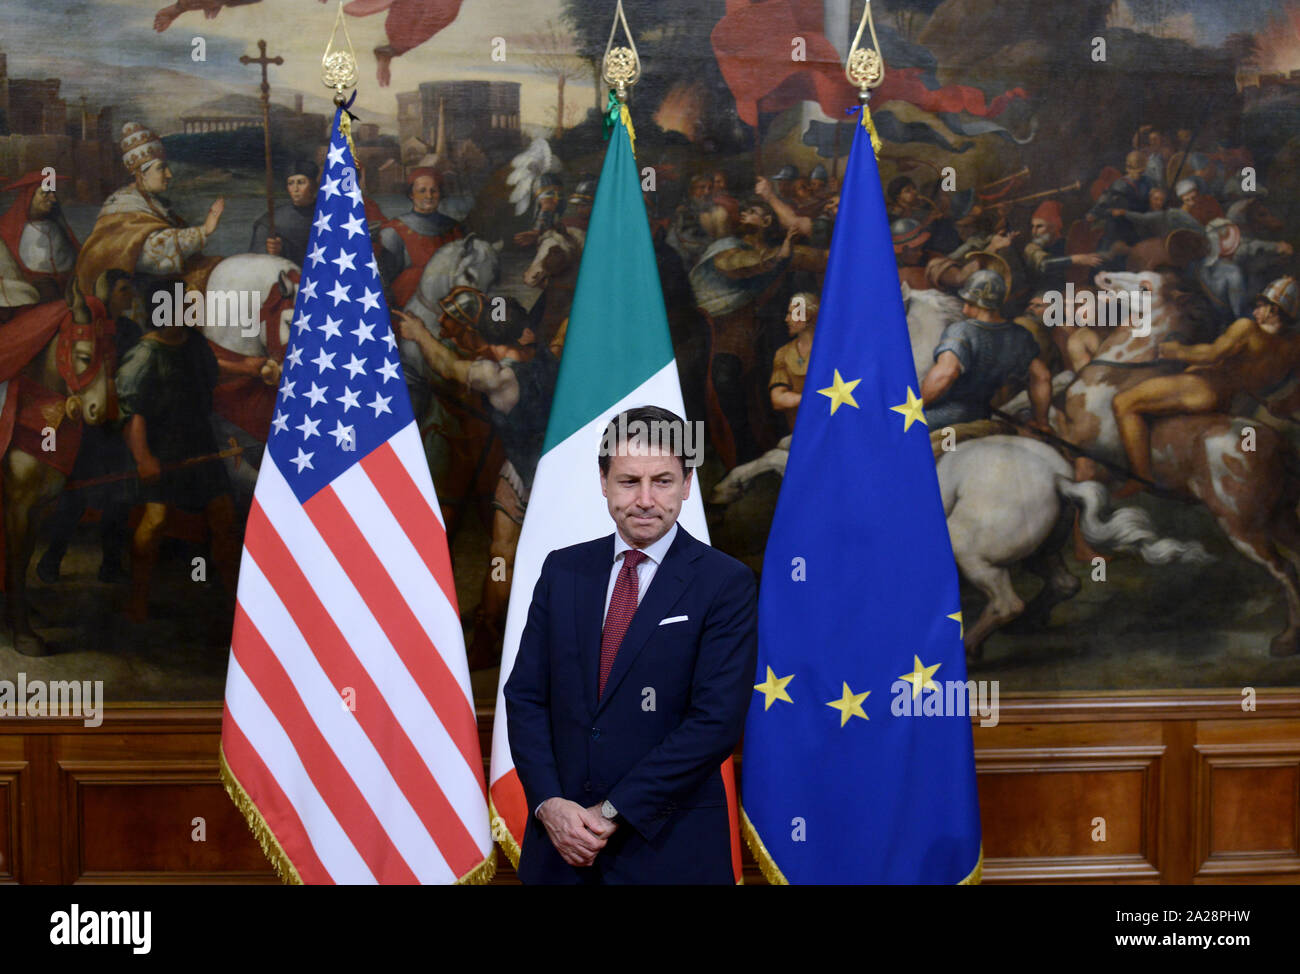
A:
1192	790
13	789
1246	802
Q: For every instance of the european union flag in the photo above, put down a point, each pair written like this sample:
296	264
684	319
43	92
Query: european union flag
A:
857	766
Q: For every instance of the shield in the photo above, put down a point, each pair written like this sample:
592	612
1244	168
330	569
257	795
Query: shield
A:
1104	182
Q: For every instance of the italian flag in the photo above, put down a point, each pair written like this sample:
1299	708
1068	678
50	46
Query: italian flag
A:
617	355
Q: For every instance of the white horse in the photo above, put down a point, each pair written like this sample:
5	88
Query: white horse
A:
259	277
1011	500
469	262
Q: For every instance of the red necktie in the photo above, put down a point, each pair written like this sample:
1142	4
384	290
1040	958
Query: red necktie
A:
622	605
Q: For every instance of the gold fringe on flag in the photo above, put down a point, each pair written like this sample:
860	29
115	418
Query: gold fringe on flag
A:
480	875
772	872
257	825
977	874
501	833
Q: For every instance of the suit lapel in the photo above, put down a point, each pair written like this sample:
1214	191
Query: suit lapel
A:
670	581
589	606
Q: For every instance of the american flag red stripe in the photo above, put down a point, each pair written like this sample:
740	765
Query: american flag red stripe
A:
420	520
324	768
260	785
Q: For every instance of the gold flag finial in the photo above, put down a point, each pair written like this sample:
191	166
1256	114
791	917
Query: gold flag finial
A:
338	68
865	70
621	66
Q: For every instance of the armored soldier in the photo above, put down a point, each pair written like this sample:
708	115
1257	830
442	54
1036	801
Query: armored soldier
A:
1217	273
911	253
977	356
783	181
407	242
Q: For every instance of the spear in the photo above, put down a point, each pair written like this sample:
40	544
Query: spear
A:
231	451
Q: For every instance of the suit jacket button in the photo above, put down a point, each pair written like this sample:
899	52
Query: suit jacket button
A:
595	733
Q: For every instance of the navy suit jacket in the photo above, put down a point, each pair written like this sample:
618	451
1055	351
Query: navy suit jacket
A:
673	710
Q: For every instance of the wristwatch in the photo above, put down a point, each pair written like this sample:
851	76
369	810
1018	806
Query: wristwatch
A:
607	810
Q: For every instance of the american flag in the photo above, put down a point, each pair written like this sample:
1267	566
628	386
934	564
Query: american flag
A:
349	737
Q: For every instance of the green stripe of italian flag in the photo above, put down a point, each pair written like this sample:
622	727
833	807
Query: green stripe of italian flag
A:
617	355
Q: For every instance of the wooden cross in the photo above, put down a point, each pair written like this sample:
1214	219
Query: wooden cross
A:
263	60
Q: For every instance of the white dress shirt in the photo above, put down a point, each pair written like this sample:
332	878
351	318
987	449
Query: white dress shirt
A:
645	572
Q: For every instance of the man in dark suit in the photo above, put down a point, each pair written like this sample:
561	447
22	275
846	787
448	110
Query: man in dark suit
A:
631	684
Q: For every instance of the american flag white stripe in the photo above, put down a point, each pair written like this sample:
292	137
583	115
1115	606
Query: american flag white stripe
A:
399	689
410	451
341	729
331	844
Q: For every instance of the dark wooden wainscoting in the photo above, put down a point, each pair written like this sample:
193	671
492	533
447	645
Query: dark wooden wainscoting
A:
1113	788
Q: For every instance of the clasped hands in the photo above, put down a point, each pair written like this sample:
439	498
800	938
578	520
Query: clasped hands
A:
577	833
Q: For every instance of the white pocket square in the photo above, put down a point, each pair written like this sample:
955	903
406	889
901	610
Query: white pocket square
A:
670	619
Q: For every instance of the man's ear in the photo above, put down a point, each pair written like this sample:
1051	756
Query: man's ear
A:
686	492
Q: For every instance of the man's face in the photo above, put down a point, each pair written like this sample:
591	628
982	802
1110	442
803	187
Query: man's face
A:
907	196
1189	198
719	182
753	218
1134	172
301	189
1037	306
818	186
832	207
1041	232
1266	317
120	301
1157	200
701	189
424	195
548	202
644	490
43	204
155	177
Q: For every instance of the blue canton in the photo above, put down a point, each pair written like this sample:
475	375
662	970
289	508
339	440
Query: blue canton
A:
342	393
